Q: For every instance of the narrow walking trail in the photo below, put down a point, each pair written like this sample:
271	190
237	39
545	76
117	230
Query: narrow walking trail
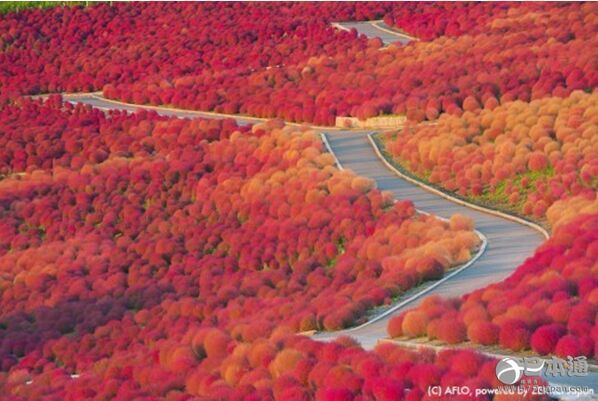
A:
509	242
373	29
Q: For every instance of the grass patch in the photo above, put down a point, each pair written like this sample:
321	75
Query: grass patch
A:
500	198
16	6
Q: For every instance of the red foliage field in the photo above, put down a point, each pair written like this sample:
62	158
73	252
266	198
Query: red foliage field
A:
520	156
549	305
285	60
84	48
209	365
524	56
120	230
145	257
429	21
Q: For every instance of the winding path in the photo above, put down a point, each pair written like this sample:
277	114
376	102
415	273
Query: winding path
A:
373	29
509	243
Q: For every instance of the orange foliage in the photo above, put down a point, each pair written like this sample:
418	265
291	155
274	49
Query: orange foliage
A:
414	324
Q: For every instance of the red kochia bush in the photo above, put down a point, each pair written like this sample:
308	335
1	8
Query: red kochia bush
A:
570	345
514	335
425	375
215	343
386	389
484	333
334	394
546	337
395	326
451	331
466	363
537	161
414	324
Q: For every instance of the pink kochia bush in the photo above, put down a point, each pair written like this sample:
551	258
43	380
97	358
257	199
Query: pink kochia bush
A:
139	251
549	304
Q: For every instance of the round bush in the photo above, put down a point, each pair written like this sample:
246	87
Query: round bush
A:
415	324
484	333
514	335
545	338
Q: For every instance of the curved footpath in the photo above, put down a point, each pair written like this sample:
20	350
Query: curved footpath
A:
509	242
373	29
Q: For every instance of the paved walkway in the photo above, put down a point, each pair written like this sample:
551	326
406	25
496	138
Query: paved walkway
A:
373	29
